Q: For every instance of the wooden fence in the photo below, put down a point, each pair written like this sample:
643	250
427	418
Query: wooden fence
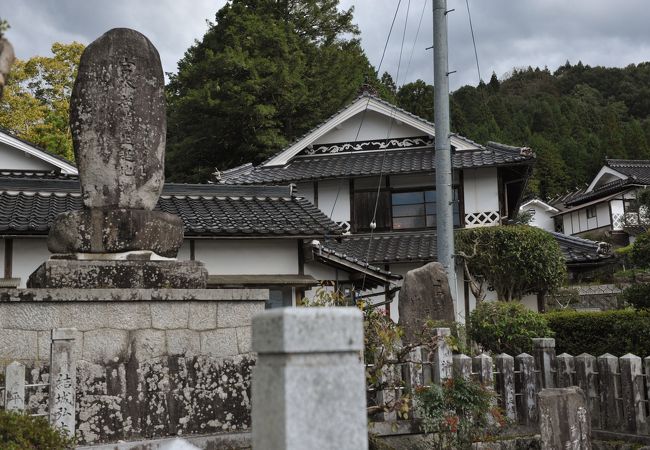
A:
617	389
61	383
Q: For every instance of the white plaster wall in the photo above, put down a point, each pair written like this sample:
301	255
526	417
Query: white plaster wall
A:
2	257
375	126
28	254
541	217
184	251
13	159
327	198
481	190
306	190
602	214
248	257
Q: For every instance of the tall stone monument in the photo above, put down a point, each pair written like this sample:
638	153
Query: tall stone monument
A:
118	123
424	296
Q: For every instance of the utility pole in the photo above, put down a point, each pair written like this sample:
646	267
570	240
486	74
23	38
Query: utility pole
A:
444	178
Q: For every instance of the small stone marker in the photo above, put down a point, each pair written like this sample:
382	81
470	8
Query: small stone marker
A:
15	387
425	295
564	419
63	373
309	389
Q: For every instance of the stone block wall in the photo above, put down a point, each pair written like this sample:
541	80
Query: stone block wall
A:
149	362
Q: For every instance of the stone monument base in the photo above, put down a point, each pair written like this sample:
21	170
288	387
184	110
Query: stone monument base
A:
107	274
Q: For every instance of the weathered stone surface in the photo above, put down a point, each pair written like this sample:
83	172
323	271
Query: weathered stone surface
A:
203	316
67	273
244	339
236	314
183	342
129	316
309	389
564	419
131	295
170	315
219	343
116	230
45	344
118	123
63	380
424	296
104	345
18	344
148	344
7	58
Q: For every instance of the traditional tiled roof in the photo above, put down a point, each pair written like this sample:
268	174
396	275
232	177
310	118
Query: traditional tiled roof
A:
606	189
28	205
401	161
390	248
633	168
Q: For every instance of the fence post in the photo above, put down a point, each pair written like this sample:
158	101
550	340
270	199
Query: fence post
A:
414	375
462	366
525	364
611	411
633	394
544	352
441	357
15	387
506	384
308	385
482	365
587	380
63	375
388	394
565	370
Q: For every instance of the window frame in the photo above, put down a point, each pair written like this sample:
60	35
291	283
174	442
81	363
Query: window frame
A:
592	212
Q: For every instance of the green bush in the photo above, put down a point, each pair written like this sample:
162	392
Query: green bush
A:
617	332
637	296
640	253
23	432
506	327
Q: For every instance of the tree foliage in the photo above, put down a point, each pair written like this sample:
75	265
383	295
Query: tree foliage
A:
36	101
513	260
572	118
264	73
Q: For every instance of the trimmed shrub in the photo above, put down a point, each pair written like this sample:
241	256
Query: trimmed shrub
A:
507	327
23	432
637	296
640	253
617	332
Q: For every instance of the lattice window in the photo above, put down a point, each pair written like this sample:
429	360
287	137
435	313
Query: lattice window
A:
482	219
618	220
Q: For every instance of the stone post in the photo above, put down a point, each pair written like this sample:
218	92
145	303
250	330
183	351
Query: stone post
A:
587	380
441	356
506	384
633	391
309	387
414	374
482	365
525	364
462	366
565	370
564	419
15	387
389	394
63	373
611	411
544	352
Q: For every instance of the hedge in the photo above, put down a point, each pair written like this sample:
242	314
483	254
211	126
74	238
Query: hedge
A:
617	332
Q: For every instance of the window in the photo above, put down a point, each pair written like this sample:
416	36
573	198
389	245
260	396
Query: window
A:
279	298
591	212
417	209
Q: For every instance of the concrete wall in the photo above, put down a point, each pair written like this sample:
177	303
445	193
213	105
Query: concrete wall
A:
150	362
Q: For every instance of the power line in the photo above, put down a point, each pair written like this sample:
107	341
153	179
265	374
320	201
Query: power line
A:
417	33
471	27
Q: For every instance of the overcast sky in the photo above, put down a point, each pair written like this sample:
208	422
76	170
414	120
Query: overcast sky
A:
509	33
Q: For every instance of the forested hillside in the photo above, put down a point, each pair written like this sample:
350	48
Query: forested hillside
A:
572	118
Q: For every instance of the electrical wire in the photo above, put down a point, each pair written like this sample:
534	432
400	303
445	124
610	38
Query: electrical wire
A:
471	28
417	34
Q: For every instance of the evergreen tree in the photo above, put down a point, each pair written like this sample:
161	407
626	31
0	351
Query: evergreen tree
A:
264	73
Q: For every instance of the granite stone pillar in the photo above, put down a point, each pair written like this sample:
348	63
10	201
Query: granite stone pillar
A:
565	421
308	384
63	370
